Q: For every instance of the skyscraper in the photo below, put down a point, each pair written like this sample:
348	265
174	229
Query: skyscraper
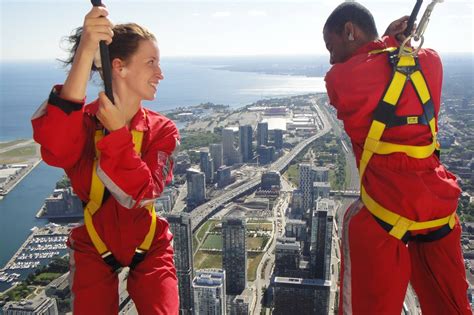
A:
306	185
262	133
180	226
228	148
245	140
234	260
217	155
209	292
206	164
278	138
223	176
321	239
196	187
266	154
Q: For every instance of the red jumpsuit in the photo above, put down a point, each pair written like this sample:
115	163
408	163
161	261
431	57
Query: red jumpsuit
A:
65	131
377	267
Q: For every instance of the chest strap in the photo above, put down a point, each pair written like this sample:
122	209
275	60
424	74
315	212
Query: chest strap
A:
405	68
95	202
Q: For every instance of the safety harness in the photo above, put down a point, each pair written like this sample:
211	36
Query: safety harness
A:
95	201
405	68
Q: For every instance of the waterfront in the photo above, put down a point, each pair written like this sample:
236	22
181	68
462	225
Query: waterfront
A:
41	246
18	178
185	84
19	207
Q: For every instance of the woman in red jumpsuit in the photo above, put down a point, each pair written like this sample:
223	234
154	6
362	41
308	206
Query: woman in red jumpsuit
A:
65	129
376	266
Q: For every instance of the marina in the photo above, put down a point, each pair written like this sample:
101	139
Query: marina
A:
39	248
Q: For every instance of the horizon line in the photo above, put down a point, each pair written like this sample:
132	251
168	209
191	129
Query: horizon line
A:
227	56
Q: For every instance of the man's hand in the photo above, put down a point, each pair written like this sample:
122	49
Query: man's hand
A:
111	116
397	27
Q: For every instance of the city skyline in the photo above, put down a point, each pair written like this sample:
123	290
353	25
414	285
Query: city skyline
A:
224	28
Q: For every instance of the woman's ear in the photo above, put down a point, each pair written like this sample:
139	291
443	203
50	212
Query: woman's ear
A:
118	67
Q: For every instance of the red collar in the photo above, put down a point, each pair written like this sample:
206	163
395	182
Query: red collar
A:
139	122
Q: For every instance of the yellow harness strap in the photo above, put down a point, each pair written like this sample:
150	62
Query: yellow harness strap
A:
95	201
401	224
373	145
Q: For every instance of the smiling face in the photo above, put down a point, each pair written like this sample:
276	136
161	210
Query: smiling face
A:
142	73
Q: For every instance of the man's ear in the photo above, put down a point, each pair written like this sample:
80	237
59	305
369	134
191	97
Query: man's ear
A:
349	31
118	67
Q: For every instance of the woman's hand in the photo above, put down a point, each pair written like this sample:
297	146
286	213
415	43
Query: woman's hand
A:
111	116
96	27
397	27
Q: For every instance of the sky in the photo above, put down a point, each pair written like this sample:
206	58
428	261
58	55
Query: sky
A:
33	29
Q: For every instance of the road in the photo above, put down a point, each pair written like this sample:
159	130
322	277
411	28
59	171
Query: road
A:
268	260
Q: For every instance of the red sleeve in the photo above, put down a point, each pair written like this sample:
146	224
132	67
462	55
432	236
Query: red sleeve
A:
59	128
135	181
331	91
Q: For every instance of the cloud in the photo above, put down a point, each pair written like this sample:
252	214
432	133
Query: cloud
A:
257	13
221	14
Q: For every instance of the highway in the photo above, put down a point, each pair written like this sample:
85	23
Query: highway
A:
205	211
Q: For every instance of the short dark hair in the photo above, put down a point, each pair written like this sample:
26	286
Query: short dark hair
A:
351	12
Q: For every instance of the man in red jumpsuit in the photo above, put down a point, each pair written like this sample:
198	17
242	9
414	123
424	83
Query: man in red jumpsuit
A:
376	266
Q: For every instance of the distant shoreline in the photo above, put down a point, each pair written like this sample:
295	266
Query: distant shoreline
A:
17	180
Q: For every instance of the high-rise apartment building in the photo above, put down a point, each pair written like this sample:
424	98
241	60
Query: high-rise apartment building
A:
321	239
196	187
278	138
245	140
223	176
234	260
262	133
266	154
180	226
206	164
306	185
217	155
230	154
